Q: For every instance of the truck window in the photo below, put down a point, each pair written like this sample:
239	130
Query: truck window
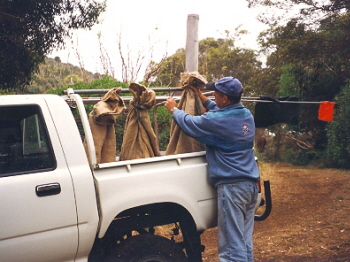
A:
24	143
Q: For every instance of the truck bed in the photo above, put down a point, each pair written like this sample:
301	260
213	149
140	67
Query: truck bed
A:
179	179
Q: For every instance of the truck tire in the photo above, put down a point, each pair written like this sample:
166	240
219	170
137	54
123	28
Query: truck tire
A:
147	248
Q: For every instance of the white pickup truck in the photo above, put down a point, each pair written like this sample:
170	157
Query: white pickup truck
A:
58	205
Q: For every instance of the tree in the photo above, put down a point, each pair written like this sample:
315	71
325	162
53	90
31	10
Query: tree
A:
316	64
309	54
220	57
308	5
309	11
29	29
217	58
338	149
170	69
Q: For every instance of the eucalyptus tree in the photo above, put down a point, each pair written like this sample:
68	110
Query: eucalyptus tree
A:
309	52
29	29
217	58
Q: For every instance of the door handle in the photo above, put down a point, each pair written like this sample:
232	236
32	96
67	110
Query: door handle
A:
48	189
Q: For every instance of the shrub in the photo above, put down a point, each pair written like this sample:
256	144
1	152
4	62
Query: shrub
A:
337	153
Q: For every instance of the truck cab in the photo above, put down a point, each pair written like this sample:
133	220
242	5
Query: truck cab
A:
47	192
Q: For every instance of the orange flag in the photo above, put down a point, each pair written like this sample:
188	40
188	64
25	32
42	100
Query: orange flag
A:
325	111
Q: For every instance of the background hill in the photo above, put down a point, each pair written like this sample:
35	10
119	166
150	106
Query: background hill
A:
55	74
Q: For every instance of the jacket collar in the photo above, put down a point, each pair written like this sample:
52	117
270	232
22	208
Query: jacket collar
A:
233	106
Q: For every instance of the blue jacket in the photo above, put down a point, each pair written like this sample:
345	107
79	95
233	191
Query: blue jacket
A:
229	135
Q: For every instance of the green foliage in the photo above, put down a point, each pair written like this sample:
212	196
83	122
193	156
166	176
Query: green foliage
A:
119	131
170	70
29	29
309	5
287	82
299	157
337	153
73	78
164	119
217	58
312	64
220	58
310	11
103	83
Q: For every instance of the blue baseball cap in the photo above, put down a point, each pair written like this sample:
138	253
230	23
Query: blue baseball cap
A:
228	85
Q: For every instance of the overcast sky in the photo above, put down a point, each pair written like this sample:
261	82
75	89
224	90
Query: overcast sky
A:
158	23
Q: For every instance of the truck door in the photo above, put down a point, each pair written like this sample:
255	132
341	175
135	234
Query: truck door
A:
38	220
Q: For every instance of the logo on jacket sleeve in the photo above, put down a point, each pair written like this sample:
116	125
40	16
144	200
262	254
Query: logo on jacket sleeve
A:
245	130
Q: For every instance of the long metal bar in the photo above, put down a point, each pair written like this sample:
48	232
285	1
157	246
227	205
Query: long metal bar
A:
84	120
126	99
124	90
283	102
93	100
161	99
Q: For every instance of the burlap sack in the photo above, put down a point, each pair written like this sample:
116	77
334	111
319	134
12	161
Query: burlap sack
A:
102	119
106	111
139	139
179	142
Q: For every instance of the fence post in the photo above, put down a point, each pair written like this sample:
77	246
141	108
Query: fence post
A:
192	43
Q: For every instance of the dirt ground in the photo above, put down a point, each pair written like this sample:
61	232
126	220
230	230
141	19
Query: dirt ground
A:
310	218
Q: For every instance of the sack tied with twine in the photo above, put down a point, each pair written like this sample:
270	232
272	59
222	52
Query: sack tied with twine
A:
102	119
139	138
179	142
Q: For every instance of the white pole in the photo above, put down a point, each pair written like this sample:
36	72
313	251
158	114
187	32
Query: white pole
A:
192	43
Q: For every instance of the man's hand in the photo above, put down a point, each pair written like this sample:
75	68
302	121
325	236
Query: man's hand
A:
170	103
197	92
195	89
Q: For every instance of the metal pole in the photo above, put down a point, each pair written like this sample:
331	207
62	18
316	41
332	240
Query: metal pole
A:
192	43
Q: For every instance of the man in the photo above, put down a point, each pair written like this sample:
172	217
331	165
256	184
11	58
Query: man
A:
227	128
